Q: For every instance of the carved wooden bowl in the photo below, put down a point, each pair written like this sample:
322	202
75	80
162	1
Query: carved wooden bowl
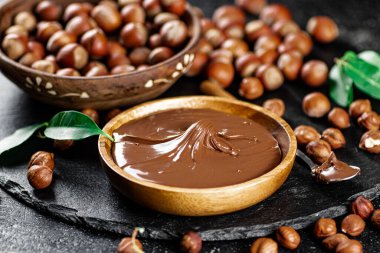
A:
208	201
96	92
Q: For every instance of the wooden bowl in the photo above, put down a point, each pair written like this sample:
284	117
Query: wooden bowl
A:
96	92
209	201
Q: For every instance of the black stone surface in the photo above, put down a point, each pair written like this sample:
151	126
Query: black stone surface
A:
81	194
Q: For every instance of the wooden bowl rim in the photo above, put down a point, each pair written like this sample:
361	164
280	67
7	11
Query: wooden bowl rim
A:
283	166
195	32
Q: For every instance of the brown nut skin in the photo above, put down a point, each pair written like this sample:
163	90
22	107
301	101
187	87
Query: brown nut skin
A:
285	27
18	29
48	10
67	72
319	151
274	12
159	54
251	88
251	6
231	28
26	19
204	46
198	65
370	142
353	225
116	60
95	42
267	56
177	7
63	145
238	47
133	13
215	37
174	33
39	176
93	114
42	158
324	227
362	207
45	66
163	17
369	120
97	71
155	40
73	56
316	105
222	55
314	73
139	56
191	242
75	9
269	41
288	238
15	45
306	134
334	137
275	105
290	63
330	243
247	64
339	118
207	24
230	12
126	245
323	29
122	69
107	17
79	25
152	7
134	35
59	39
358	107
270	76
46	29
255	29
221	73
264	245
29	58
349	246
115	48
297	40
375	219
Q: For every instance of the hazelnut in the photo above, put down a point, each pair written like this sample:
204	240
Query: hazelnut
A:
134	35
139	56
247	64
174	33
362	207
48	10
230	12
191	242
290	63
370	142
46	29
306	134
67	72
18	29
288	237
270	76
93	114
53	60
334	137
369	120
127	245
324	227
358	107
112	114
251	88
109	3
222	55
95	42
319	151
322	28
97	71
264	245
349	246
274	12
79	25
215	37
269	41
353	225
297	40
255	29
204	46
251	6
122	69
45	66
107	17
15	45
314	73
238	47
221	73
267	56
118	59
159	54
126	2
177	7
142	67
198	65
39	176
26	19
60	39
331	242
155	40
232	28
316	105
207	24
36	52
63	145
75	9
275	105
164	17
285	27
42	158
72	56
115	48
152	7
375	219
133	13
339	118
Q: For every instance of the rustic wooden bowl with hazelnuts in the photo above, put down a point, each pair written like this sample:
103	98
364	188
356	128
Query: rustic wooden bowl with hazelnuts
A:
99	54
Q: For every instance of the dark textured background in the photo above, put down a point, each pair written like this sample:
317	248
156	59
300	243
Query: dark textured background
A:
25	230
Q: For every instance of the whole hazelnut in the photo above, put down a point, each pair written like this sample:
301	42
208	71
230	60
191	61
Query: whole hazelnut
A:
67	72
358	107
316	105
330	243
177	7
152	7
107	17
133	13
53	60
255	29
270	76
46	29
26	19
247	64
174	33
375	219
75	9
164	17
122	69
93	114
139	56
97	71
222	55
45	66
79	25
117	59
48	10
155	40
115	48
314	73
322	28
251	88
274	12
73	56
290	63
362	207
369	120
29	58
264	245
324	227
349	246
370	142
285	27
60	39
134	35
215	37
191	242
142	67
251	6
275	105
18	29
288	237
267	56
42	158
39	176
15	45
109	3
230	12
63	145
221	73
339	118
204	46
269	41
232	28
126	2
353	225
127	245
159	54
306	134
319	151
207	24
95	42
297	40
238	47
334	137
198	65
112	114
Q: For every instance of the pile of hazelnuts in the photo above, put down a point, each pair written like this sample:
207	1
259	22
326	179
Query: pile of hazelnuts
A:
82	39
263	52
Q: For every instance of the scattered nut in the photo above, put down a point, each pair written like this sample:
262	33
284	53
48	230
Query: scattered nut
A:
290	63
221	73
316	105
297	40
247	64
339	118
128	244
358	107
349	246
238	47
306	134
362	207
270	76
93	114
264	245
370	142
322	28
267	56
39	176
251	6
375	219
331	242
42	158
324	227
269	41
369	120
353	225
255	29
48	10
334	137
274	12
251	88
177	7
319	151
275	105
222	55
285	27
63	145
191	242
288	237
314	73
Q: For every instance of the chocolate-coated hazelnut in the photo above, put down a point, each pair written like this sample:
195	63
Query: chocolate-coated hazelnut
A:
353	225
358	107
215	37
288	237
349	246
267	56
370	141
45	66
230	12
375	219
264	245
339	118
251	88
79	25
42	158
117	60
75	9
334	137
255	29
270	76
319	151
48	10
274	12
322	28
95	42
324	227
306	134
247	64
67	72
26	19
177	7
112	114
93	114
174	33
316	105
134	35
314	73
39	176
362	207
46	29
221	73
15	45
222	55
60	39
107	17
251	6
191	242
290	63
133	13
159	54
152	7
139	56
331	242
297	40
369	120
238	47
285	27
73	56
127	245
269	41
204	46
18	29
198	65
115	48
122	69
275	105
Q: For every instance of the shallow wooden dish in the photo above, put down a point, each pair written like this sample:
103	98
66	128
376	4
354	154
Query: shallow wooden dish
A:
201	202
96	92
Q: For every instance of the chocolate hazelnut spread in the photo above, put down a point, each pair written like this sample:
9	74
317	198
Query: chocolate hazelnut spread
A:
195	148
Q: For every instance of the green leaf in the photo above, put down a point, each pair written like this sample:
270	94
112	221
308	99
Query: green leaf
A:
341	87
19	137
371	57
72	125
